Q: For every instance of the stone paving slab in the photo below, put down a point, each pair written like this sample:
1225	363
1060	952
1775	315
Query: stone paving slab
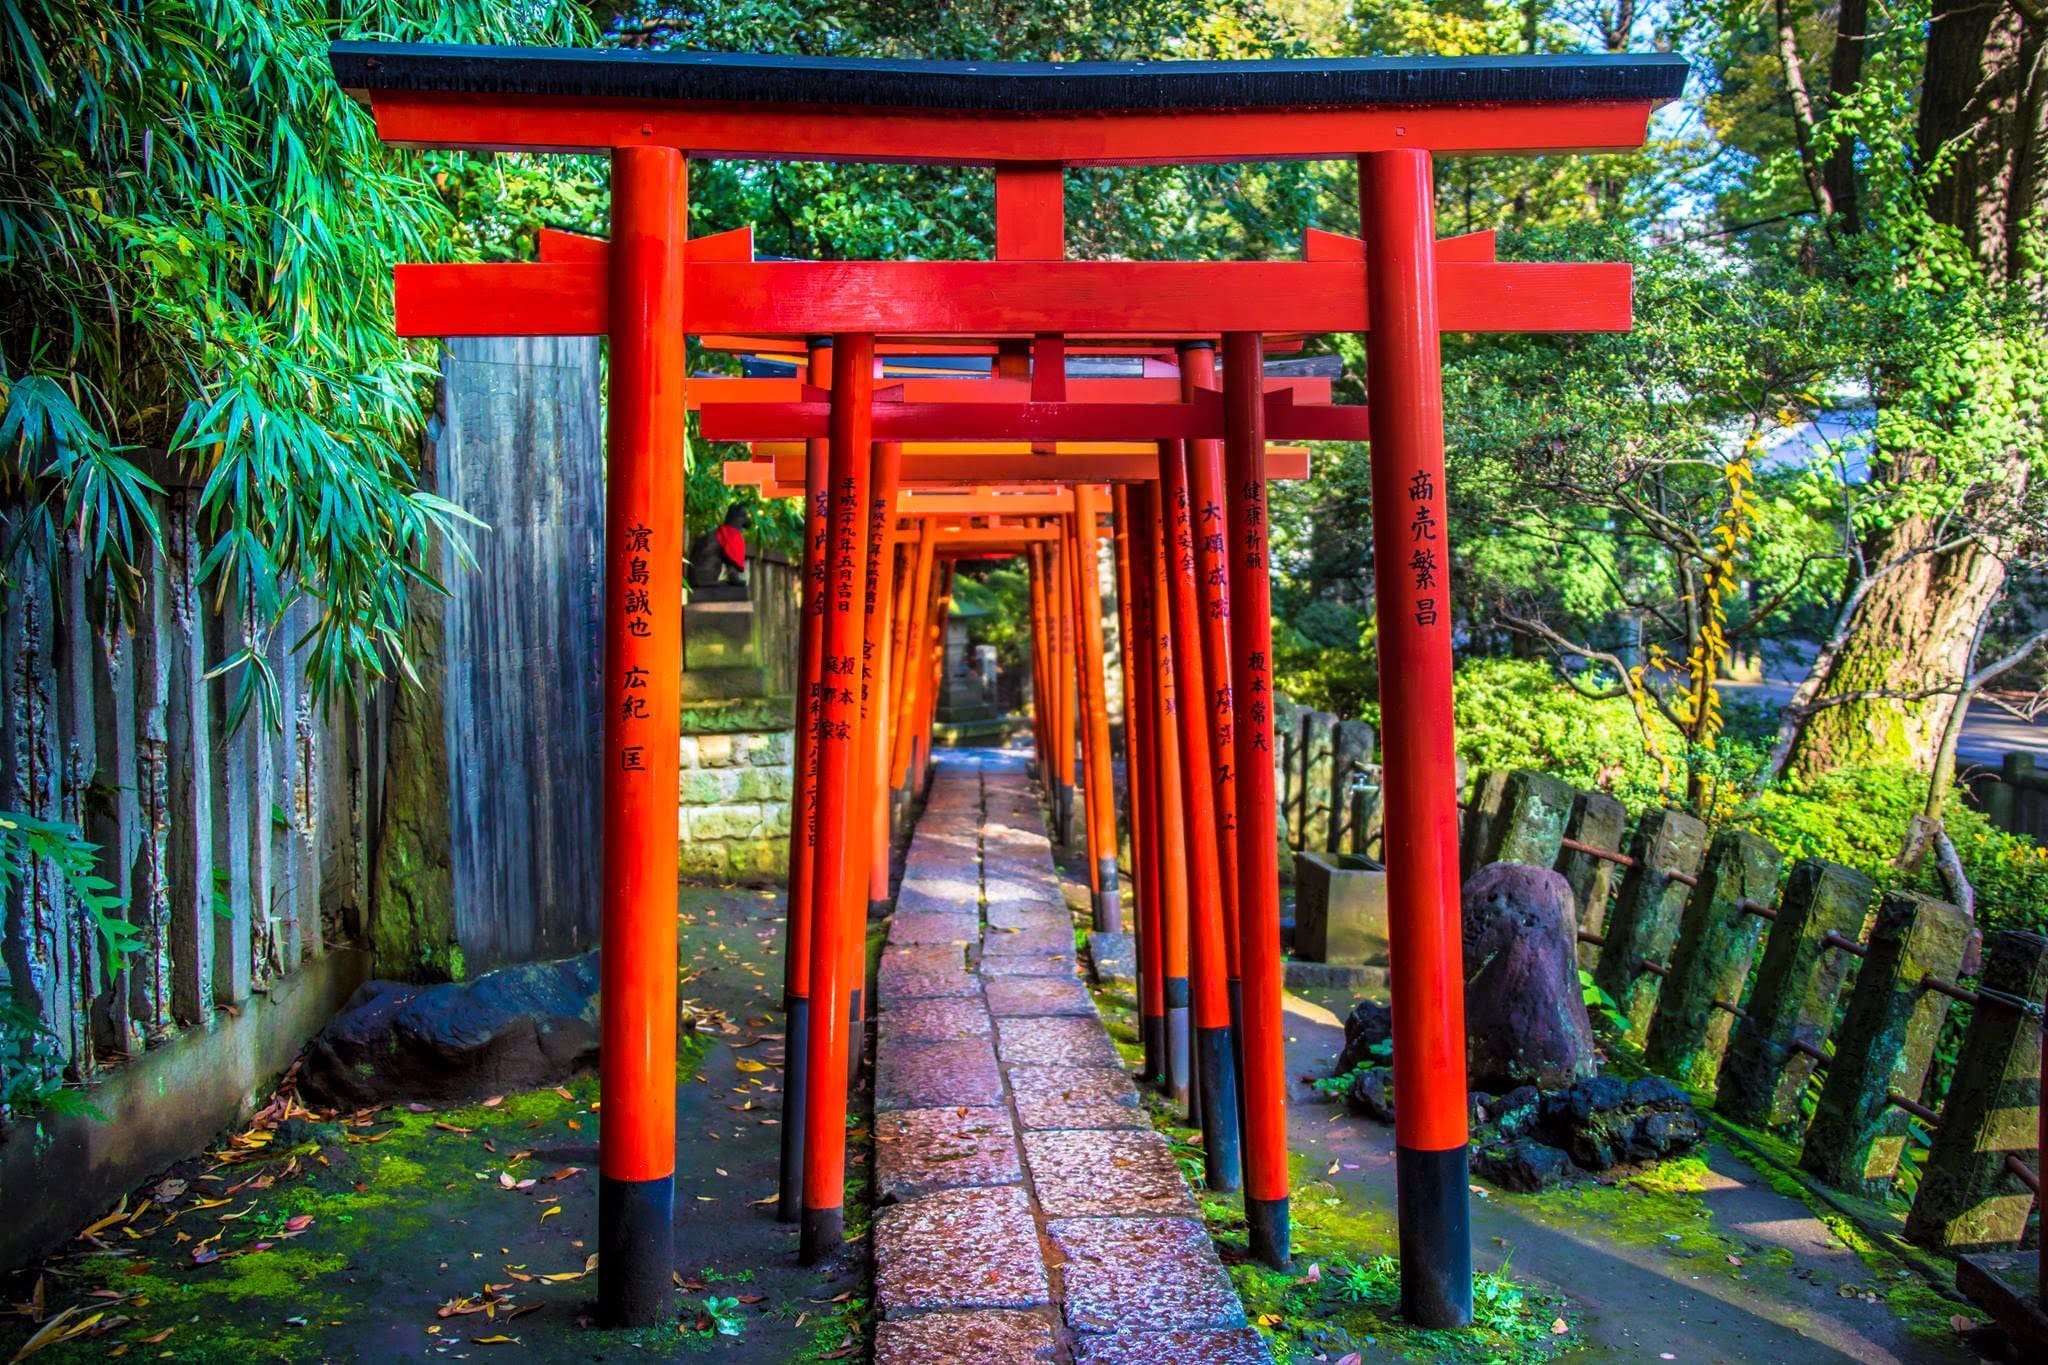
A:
1241	1346
1035	964
935	926
989	1336
921	1150
930	1075
1143	1274
898	986
939	1020
1014	916
973	1248
1076	1097
1012	997
992	1063
1054	1042
1045	938
922	971
1102	1172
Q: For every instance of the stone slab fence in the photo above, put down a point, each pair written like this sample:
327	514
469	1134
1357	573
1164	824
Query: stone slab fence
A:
1801	1000
237	860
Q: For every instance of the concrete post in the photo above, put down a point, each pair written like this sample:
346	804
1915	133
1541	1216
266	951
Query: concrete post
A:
1529	826
1644	925
1599	820
1884	1044
1793	1003
1968	1199
1717	940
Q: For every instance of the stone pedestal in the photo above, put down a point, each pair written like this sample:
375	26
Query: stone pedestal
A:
1340	908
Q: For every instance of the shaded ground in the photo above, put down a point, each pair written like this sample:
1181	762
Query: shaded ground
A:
347	1241
1693	1260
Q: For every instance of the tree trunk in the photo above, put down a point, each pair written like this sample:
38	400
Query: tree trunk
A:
1911	632
1983	97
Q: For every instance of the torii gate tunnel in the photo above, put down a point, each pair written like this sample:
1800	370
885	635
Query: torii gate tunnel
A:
1195	599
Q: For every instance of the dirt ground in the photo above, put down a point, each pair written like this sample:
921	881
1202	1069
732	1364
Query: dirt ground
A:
349	1241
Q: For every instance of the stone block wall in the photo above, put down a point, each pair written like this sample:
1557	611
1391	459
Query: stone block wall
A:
734	811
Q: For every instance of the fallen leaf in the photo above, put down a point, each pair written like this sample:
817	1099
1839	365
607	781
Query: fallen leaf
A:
505	1179
156	1339
749	1064
452	1127
758	1203
1558	1327
1959	1324
499	1339
1733	1259
494	1101
549	1212
563	1091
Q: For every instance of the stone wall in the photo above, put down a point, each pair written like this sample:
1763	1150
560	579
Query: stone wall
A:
735	812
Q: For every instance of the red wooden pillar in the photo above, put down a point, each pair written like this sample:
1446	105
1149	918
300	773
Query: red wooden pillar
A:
643	668
884	728
823	1224
1206	492
1042	701
1138	775
884	459
1170	806
803	851
1258	862
1060	598
1216	1080
1101	774
1070	584
1411	561
920	600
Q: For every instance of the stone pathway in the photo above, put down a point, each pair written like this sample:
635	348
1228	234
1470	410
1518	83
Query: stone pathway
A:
1033	1215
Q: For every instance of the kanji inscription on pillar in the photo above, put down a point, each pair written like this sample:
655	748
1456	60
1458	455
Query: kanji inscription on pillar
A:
638	610
1425	544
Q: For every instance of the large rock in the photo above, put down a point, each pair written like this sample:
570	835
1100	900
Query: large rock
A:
1525	1014
1523	1165
1368	1032
518	1028
1605	1121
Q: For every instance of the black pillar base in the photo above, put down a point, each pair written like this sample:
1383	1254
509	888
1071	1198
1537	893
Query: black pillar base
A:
878	910
1436	1236
1218	1087
824	1232
1109	910
1179	1075
636	1242
796	1089
1152	1032
1271	1236
1235	990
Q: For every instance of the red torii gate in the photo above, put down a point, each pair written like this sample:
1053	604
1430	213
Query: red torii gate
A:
1030	120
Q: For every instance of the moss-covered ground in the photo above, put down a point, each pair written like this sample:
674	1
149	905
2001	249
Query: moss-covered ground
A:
410	1233
1706	1258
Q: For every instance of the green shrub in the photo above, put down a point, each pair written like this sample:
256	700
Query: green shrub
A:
1516	713
1858	817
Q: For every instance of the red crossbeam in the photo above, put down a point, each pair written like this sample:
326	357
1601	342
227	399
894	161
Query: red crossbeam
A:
1025	467
1010	298
706	390
896	420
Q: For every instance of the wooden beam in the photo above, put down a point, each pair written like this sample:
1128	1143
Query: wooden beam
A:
1011	298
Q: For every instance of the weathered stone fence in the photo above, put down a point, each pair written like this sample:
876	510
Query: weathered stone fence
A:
1750	982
